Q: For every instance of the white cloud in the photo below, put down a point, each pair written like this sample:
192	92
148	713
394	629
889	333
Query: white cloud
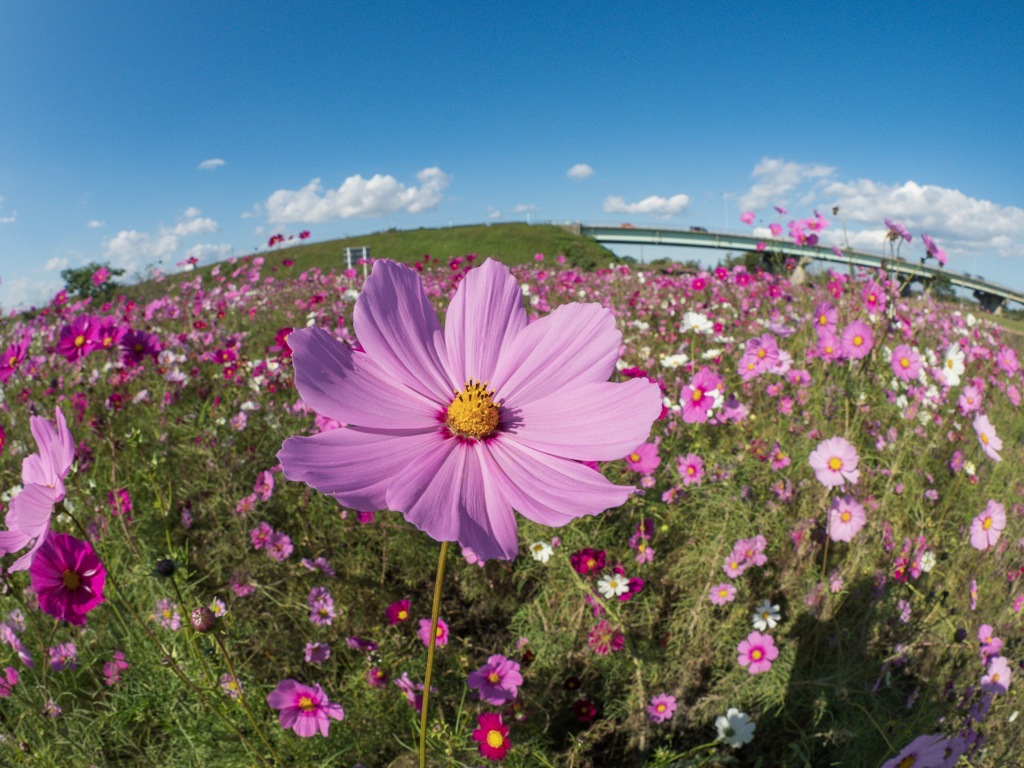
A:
56	263
493	213
192	227
776	178
131	249
580	171
525	208
191	212
7	219
653	205
211	165
22	292
369	198
94	224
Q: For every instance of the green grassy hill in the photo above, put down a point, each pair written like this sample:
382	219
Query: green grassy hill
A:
513	243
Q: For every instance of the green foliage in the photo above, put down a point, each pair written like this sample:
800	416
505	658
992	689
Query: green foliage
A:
82	282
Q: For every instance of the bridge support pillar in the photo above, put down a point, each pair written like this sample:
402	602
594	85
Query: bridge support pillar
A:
799	274
989	302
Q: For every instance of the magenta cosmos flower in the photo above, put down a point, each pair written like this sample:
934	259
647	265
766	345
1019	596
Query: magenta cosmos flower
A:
42	477
661	708
67	577
497	681
924	751
457	427
905	362
757	653
834	462
988	525
304	709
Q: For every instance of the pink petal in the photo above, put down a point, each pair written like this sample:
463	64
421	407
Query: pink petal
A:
451	495
351	388
550	490
485	315
589	422
399	329
355	466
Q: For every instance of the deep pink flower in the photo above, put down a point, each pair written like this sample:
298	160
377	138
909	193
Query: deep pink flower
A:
873	296
42	477
587	561
644	459
79	338
661	708
13	357
67	577
757	652
988	525
701	396
747	217
905	362
456	427
491	736
398	612
304	709
834	462
136	346
497	681
8	680
691	469
442	632
604	639
897	229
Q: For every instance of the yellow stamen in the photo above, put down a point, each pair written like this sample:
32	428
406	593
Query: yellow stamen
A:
495	740
306	704
473	412
71	580
835	463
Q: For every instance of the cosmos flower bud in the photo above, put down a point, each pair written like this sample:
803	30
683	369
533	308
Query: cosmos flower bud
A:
203	619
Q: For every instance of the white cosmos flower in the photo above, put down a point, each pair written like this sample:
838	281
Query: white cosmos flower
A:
674	361
696	322
541	551
613	586
766	616
735	728
953	365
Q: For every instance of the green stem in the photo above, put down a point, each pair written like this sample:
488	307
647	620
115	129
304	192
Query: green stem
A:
434	611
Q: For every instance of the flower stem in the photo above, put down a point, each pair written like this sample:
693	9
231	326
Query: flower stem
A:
434	611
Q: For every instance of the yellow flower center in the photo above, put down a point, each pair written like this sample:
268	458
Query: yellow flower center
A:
984	438
79	340
858	340
494	678
71	580
845	517
634	457
822	320
907	762
760	354
403	615
661	707
835	463
987	524
756	654
473	412
698	395
306	704
904	362
495	740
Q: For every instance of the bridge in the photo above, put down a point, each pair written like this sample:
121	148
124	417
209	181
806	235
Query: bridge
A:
991	296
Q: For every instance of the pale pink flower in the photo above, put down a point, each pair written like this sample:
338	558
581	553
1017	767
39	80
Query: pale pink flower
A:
988	525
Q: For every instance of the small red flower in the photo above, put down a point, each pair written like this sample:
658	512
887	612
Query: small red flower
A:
492	736
584	710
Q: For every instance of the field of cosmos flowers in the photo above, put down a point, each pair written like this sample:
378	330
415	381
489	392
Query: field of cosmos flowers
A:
756	523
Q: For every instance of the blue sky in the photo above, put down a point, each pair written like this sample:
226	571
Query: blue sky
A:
142	134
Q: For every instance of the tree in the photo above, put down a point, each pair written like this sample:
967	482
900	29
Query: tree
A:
92	280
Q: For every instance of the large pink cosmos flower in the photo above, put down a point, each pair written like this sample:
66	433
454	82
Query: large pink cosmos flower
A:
456	427
757	653
67	577
846	517
304	709
701	396
42	477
